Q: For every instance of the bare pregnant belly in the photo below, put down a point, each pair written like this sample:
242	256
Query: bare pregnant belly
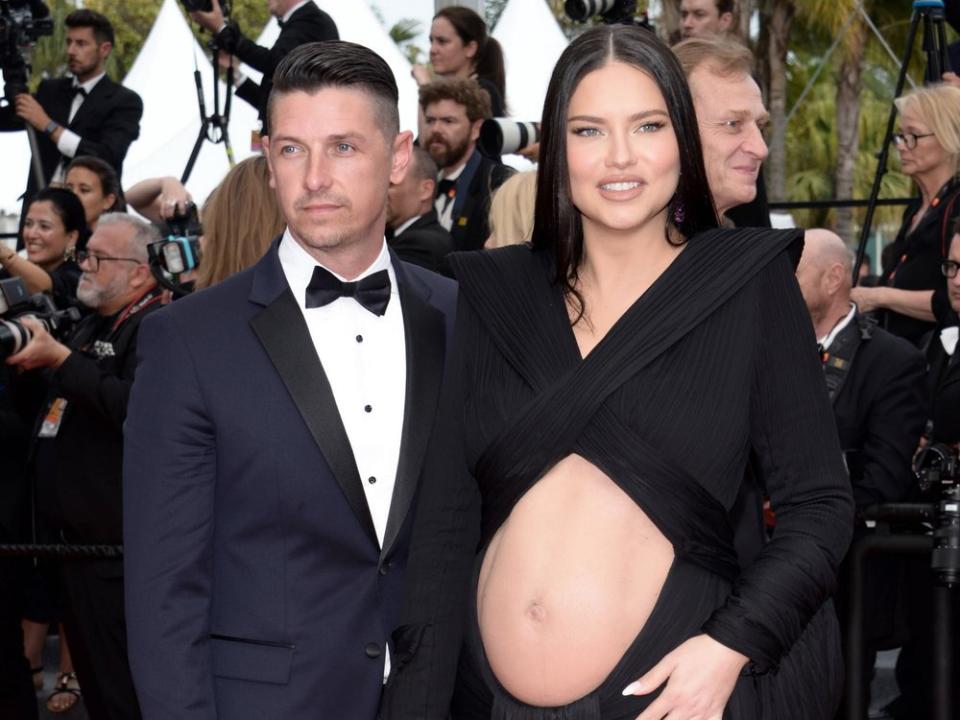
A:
567	583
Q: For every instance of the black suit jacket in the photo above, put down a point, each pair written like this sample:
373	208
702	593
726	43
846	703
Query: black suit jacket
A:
255	583
880	411
471	208
308	24
78	471
107	122
425	243
944	384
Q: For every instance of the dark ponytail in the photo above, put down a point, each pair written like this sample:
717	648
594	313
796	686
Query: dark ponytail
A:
488	63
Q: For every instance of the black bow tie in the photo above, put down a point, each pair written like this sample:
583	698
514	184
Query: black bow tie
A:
79	90
444	187
373	291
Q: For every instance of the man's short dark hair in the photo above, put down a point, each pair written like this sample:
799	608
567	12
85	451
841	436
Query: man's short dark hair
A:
102	29
336	63
463	91
423	167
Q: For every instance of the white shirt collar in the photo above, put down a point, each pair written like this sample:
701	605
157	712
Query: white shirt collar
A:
298	266
948	338
407	224
89	84
291	11
456	173
838	328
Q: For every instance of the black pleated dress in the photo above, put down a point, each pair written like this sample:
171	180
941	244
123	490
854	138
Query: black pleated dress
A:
716	359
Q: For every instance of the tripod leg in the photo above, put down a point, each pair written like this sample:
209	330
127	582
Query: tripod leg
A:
201	136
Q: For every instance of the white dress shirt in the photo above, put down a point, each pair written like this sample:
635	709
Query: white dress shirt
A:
828	339
365	361
444	203
69	141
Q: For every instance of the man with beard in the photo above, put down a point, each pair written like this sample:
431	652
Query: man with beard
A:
86	114
78	449
453	112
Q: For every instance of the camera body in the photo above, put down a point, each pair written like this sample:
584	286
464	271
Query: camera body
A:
16	303
178	253
205	6
22	23
938	470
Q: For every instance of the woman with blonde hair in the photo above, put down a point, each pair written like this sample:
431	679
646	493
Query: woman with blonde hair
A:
240	220
912	293
511	211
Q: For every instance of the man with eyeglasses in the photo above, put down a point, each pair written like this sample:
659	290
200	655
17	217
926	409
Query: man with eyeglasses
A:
78	449
944	360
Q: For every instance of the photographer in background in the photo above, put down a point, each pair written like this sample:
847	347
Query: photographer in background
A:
86	114
301	22
78	449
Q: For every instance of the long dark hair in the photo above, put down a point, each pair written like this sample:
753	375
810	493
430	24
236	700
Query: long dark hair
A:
488	63
558	227
109	184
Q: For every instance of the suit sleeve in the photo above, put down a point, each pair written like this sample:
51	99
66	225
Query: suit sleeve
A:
83	381
169	470
794	436
444	544
294	34
121	127
894	424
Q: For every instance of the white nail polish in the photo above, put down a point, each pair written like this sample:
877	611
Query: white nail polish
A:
632	688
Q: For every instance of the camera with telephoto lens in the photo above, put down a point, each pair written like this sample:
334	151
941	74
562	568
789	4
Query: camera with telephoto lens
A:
938	470
16	303
22	23
501	136
178	253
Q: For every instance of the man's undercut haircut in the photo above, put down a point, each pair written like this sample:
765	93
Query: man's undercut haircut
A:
335	63
723	58
142	233
102	29
726	6
463	91
423	167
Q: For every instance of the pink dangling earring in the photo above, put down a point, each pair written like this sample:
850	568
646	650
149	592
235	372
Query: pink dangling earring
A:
678	214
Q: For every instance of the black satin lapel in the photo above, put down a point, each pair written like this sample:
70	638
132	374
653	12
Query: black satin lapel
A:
284	335
425	337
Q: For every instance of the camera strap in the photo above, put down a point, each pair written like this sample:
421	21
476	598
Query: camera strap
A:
838	360
150	297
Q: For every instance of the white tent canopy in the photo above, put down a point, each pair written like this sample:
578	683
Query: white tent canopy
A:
532	43
163	77
14	169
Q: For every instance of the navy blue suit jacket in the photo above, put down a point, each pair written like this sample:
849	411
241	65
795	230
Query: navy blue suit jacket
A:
255	585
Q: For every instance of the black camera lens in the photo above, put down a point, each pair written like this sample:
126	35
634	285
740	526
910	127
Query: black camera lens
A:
13	337
580	10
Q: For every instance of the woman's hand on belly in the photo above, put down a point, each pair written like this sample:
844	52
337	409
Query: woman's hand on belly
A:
700	676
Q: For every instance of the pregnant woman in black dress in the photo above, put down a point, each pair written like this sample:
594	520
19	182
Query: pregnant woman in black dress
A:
605	390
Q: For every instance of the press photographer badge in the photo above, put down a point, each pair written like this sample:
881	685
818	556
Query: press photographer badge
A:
51	421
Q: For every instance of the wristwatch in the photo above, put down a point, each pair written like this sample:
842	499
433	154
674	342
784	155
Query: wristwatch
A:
51	127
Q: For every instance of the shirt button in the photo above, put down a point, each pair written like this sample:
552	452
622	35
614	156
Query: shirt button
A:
372	480
372	650
368	408
359	338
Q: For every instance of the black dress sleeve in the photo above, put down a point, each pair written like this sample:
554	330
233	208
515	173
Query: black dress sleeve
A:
442	551
794	436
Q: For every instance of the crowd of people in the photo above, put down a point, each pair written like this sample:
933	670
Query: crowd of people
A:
418	436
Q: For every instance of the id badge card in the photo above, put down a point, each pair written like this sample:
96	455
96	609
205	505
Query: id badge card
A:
51	421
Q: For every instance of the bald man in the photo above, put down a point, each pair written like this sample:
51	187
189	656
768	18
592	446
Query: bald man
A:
877	385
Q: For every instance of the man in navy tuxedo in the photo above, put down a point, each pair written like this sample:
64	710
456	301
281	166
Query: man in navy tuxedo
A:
84	114
277	428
